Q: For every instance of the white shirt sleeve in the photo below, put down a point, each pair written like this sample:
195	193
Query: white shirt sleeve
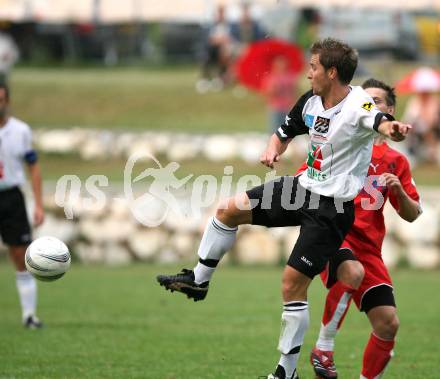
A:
27	140
369	116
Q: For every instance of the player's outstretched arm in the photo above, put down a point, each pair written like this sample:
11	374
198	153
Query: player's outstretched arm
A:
274	149
394	130
408	209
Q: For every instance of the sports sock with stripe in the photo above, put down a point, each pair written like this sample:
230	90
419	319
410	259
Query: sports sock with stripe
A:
27	292
294	323
377	354
217	239
336	307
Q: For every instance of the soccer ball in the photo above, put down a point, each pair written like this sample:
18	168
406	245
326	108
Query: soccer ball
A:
47	258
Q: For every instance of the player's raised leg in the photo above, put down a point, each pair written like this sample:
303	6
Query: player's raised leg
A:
219	237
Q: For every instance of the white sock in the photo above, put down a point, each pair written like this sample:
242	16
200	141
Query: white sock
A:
27	292
217	239
295	321
327	333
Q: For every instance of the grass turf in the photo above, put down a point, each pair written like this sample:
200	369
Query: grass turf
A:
118	323
147	99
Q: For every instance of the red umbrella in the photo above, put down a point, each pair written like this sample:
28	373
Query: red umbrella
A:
256	61
423	79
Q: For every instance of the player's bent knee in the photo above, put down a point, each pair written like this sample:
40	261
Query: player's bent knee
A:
351	273
388	327
392	326
234	211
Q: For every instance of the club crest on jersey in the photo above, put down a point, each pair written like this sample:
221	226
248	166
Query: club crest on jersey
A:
308	119
368	106
322	124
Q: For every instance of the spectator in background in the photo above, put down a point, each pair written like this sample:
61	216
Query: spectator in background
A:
8	55
245	31
423	112
307	28
217	55
280	89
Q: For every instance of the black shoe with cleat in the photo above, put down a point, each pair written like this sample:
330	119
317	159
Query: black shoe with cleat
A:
280	374
32	322
184	282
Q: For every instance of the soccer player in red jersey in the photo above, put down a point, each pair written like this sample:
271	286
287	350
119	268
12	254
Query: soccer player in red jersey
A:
358	272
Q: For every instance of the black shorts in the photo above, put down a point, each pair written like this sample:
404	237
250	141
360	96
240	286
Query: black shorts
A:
343	254
14	225
377	296
285	203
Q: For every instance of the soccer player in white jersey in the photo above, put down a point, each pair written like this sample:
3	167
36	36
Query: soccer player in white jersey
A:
342	122
357	271
15	231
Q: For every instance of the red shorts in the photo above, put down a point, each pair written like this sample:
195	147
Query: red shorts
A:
376	273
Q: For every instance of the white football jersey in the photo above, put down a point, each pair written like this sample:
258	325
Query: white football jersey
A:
15	143
341	141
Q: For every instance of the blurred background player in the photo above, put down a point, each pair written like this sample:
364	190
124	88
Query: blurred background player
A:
217	54
366	280
280	88
15	231
246	30
8	56
423	112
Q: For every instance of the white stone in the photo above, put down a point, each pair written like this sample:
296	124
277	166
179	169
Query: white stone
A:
250	151
423	255
89	253
143	149
60	140
391	252
185	245
424	229
220	148
147	243
107	230
95	149
182	150
168	256
65	230
257	247
116	255
119	209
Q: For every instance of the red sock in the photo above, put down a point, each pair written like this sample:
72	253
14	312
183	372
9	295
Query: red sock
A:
377	354
332	301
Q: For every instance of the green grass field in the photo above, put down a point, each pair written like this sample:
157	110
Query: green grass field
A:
118	323
147	99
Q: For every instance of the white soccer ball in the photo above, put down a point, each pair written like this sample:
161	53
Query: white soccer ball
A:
47	258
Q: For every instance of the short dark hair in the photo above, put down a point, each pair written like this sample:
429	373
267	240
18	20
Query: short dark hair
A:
390	97
5	87
335	53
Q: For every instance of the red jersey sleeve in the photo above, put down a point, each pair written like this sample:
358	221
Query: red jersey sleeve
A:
403	172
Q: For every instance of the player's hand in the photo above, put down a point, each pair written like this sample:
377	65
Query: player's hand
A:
393	183
399	130
269	157
38	216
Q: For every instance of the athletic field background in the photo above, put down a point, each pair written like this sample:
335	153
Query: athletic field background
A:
163	99
118	323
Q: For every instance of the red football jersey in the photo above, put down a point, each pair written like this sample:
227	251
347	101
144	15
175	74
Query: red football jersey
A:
368	230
